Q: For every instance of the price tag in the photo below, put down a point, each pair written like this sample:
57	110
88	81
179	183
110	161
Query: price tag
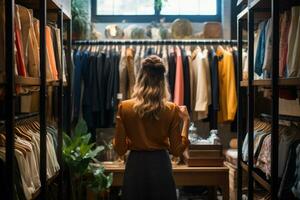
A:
119	96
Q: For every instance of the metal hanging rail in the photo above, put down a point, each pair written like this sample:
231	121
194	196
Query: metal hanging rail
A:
155	42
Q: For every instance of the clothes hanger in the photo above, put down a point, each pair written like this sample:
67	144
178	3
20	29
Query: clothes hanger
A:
2	140
34	126
23	133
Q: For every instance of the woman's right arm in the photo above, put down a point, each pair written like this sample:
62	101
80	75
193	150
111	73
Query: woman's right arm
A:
120	143
179	138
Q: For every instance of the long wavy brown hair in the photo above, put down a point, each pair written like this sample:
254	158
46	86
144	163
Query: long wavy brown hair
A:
151	88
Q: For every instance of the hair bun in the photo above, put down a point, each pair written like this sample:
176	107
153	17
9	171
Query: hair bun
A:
153	63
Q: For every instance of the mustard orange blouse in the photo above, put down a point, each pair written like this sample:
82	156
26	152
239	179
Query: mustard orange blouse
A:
135	133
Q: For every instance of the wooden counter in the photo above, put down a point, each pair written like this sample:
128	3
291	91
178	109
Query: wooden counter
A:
185	176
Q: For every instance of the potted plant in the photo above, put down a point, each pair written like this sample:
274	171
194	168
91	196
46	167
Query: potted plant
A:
80	156
80	19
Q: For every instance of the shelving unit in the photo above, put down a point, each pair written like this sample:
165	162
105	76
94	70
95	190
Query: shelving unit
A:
255	11
62	8
282	82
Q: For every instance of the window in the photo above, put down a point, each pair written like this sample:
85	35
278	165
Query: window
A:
122	7
189	7
144	10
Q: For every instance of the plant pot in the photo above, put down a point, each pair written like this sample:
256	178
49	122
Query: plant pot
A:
91	195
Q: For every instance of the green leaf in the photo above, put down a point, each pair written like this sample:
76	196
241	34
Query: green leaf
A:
86	138
66	140
95	152
81	128
109	180
85	148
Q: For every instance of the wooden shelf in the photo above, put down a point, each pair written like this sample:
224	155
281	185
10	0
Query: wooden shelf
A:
51	5
36	194
27	81
30	81
262	181
268	82
56	83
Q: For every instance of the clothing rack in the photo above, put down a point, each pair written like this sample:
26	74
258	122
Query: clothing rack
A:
124	42
40	7
155	42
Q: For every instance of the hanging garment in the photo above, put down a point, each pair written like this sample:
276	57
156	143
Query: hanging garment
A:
19	45
179	80
245	65
33	54
55	34
88	81
123	75
227	87
214	74
130	70
203	92
289	178
51	54
137	60
165	59
293	57
260	52
285	21
296	187
80	61
172	72
267	64
296	51
192	79
186	76
285	141
214	71
112	86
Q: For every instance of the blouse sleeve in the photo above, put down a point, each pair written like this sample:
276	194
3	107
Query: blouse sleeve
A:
120	143
178	143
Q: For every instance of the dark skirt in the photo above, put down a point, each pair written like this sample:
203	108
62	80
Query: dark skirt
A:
148	176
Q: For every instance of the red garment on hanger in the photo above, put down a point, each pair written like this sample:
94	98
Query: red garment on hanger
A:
179	80
20	57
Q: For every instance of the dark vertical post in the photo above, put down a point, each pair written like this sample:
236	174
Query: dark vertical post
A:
60	106
240	109
43	97
250	100
69	77
9	98
234	11
69	97
275	104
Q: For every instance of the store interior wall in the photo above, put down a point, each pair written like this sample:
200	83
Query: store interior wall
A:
197	27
